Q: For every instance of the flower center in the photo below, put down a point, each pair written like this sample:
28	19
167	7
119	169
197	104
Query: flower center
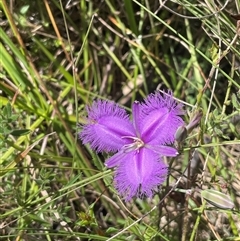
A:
134	146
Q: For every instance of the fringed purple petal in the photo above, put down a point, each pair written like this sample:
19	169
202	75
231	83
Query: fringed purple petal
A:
106	124
160	119
139	173
165	100
159	129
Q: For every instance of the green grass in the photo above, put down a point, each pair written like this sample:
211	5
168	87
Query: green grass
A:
56	57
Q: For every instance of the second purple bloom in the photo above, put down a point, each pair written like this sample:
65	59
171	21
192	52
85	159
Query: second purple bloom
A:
139	143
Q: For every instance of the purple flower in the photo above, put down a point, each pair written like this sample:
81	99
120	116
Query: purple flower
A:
139	144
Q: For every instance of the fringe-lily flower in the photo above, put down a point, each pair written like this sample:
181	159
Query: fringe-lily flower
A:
139	145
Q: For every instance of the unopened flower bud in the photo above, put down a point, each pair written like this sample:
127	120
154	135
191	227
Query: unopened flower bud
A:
195	120
181	134
217	199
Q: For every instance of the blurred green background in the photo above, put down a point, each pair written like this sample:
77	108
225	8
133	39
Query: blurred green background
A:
56	57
